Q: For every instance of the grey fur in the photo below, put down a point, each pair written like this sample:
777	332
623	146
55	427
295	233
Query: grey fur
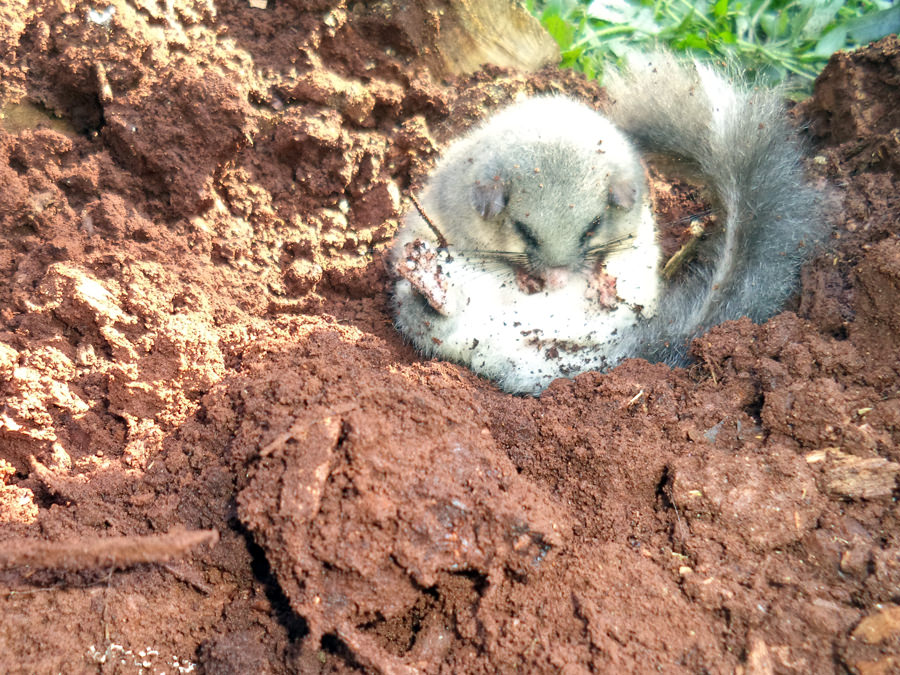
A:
547	183
738	137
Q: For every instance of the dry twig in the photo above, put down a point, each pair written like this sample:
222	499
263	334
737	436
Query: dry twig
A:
101	552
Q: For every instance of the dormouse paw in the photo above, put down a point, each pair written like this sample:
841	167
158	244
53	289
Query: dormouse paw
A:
420	265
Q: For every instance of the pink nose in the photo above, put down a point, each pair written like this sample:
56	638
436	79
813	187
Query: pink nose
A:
556	277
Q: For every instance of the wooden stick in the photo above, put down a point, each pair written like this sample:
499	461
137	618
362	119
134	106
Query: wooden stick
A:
442	240
101	552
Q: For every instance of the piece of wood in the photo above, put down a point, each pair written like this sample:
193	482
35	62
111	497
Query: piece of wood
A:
458	37
855	477
86	553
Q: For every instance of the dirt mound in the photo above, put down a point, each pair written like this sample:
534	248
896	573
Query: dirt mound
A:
194	339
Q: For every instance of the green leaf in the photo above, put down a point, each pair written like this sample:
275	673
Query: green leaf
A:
768	23
644	21
772	38
871	27
613	11
797	21
782	23
693	41
726	36
822	15
831	42
756	5
561	31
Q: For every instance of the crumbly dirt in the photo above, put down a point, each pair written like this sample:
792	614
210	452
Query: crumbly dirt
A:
194	339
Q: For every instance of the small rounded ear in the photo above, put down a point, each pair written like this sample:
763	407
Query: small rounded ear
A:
622	192
489	197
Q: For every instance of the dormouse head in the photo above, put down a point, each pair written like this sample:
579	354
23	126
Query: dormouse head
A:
548	179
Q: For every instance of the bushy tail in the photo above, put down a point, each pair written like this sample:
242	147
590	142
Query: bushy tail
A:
739	139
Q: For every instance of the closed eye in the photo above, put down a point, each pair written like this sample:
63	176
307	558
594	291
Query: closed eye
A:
591	230
525	233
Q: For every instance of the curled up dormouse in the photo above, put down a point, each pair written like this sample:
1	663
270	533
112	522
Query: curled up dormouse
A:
542	257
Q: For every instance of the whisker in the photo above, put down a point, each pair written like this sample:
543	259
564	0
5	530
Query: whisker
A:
600	252
688	218
492	253
612	246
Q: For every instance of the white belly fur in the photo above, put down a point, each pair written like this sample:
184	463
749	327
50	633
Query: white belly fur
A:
524	341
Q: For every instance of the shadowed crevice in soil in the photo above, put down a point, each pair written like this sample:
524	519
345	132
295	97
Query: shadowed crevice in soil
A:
296	627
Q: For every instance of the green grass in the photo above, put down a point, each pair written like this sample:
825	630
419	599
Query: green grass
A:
773	39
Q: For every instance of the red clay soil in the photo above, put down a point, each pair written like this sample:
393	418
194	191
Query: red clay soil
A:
217	455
